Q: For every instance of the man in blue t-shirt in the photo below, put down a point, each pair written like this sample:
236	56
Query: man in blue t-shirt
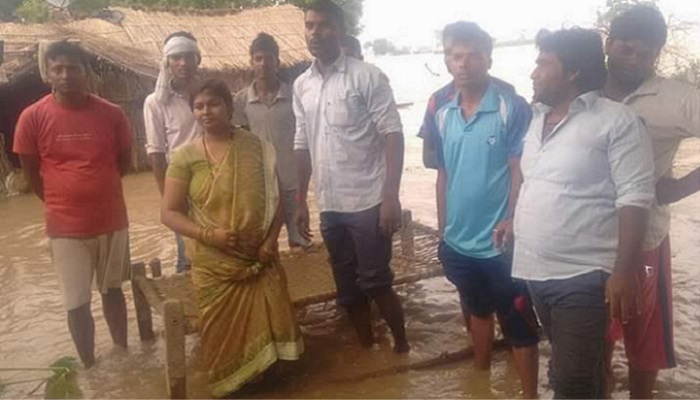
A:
473	136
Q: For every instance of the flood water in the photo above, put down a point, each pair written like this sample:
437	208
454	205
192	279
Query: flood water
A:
33	332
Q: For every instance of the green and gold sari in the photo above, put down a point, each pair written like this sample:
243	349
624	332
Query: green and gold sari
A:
247	320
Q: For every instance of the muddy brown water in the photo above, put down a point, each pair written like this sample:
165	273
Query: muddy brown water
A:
33	332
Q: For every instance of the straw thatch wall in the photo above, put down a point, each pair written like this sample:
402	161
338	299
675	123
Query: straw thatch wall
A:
223	39
135	43
127	54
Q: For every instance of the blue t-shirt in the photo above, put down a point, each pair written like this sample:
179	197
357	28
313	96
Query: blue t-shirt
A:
475	156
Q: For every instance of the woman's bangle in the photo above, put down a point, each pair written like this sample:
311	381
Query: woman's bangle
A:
206	233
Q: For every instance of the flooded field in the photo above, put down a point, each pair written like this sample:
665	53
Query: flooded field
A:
33	332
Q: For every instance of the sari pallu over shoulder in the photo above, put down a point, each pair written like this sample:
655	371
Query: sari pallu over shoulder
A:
247	319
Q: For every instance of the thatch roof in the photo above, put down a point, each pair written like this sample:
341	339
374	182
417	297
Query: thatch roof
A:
135	43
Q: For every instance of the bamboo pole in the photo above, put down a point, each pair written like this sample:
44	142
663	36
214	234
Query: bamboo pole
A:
444	358
175	360
143	310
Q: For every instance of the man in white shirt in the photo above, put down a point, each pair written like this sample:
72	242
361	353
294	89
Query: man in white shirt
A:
581	215
168	118
349	133
671	112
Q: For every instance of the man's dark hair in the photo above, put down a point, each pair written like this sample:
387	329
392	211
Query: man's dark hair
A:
578	50
469	33
331	9
215	87
265	43
180	34
352	42
65	48
641	22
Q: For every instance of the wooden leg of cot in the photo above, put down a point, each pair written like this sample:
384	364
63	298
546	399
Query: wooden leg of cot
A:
156	270
143	310
407	247
175	362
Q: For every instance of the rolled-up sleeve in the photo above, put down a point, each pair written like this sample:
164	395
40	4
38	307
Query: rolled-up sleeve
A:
154	125
381	105
301	138
632	164
691	112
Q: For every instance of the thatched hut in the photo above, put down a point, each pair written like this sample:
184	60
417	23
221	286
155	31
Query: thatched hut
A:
127	49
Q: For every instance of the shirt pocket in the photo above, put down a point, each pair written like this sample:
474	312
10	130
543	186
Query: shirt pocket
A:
344	112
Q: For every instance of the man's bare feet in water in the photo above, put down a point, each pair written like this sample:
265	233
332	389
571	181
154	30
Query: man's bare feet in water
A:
391	310
402	347
300	248
361	319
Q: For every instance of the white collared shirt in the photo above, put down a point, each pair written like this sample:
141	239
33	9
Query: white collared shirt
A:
671	113
168	125
596	161
343	120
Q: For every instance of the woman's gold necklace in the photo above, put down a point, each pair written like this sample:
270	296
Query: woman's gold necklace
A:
209	156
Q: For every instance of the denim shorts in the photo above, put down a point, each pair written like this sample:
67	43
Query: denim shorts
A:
485	287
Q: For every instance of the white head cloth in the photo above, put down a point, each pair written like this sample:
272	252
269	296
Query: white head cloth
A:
176	45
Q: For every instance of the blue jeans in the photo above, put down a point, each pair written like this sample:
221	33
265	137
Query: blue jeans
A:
183	263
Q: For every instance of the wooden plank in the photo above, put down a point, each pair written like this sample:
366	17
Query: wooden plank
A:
407	245
175	360
156	270
150	293
143	310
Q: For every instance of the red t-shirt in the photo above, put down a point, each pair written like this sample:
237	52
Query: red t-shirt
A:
78	150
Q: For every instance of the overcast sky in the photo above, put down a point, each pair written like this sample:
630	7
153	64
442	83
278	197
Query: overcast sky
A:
413	23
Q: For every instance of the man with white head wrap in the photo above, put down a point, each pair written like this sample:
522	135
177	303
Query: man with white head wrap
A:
168	118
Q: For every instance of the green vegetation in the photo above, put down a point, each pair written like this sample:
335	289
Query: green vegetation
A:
61	384
33	10
37	11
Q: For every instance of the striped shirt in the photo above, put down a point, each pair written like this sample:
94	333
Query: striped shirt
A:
342	119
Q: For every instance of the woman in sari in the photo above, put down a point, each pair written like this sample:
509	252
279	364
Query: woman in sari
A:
221	192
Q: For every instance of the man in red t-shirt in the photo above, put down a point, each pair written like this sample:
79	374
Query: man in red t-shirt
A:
74	148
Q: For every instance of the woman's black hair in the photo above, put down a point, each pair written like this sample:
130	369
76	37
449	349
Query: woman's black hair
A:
217	88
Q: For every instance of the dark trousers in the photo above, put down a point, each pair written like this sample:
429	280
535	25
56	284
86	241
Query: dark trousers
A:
360	254
574	317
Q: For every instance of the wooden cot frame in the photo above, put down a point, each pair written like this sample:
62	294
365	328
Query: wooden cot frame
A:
177	326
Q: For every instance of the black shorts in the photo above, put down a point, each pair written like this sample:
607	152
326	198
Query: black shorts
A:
485	287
